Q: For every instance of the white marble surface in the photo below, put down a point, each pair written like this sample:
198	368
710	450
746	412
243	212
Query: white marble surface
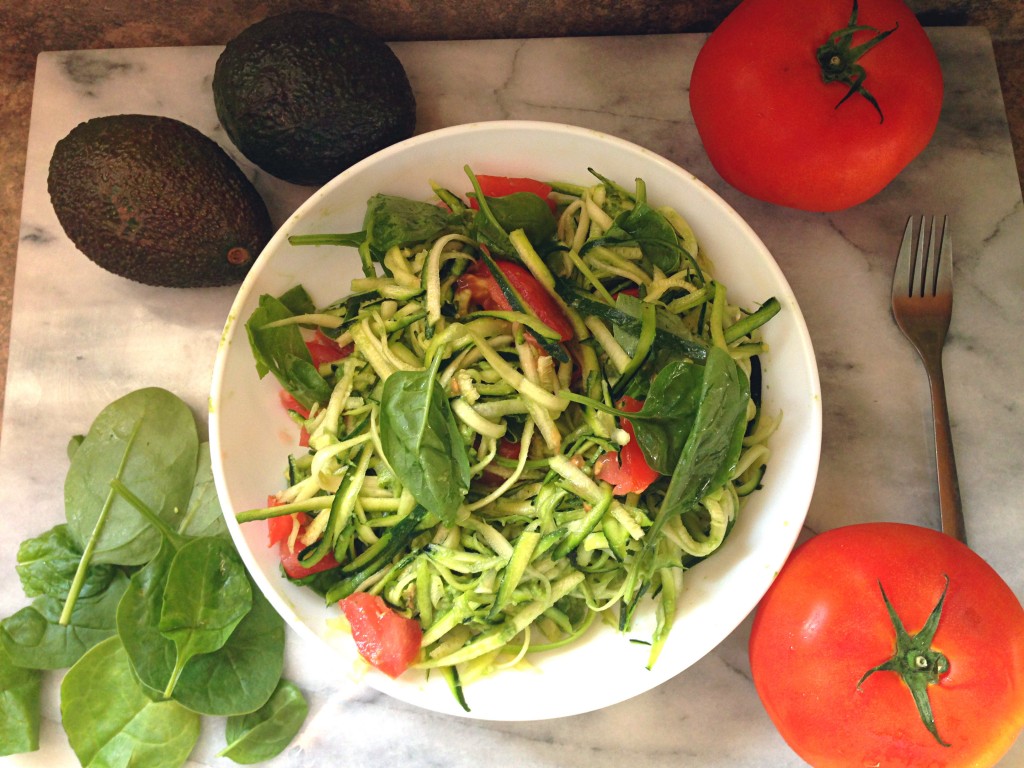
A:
81	337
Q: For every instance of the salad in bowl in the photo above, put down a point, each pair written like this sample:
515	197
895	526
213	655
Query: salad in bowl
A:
508	418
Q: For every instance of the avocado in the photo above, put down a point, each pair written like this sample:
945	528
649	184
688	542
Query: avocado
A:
304	95
154	200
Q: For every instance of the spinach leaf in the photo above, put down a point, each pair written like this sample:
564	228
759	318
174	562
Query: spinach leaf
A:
498	216
34	636
665	421
110	721
148	440
47	565
651	231
525	211
73	443
282	351
206	595
273	347
236	678
240	676
421	440
19	706
391	221
298	300
263	734
521	210
150	654
714	443
203	516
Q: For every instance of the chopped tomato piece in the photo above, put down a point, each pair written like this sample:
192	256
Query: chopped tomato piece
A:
291	404
506	449
279	530
630	404
627	470
485	291
385	638
509	449
296	570
499	186
323	349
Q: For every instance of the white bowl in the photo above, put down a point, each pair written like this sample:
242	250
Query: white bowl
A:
251	436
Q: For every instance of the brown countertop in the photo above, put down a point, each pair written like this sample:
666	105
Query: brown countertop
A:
32	26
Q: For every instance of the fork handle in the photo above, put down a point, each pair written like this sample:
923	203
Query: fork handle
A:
950	511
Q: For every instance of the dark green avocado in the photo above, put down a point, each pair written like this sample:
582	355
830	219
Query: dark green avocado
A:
304	95
154	200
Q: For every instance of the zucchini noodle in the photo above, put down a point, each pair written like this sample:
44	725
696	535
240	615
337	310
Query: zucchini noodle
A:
619	349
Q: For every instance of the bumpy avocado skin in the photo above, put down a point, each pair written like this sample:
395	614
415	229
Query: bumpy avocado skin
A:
304	95
154	200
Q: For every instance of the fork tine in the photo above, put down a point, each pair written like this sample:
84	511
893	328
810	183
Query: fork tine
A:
927	267
944	269
902	276
919	277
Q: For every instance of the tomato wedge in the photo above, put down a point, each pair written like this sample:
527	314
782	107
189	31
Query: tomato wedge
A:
289	403
507	449
385	638
485	292
500	186
290	557
627	470
278	528
279	531
323	349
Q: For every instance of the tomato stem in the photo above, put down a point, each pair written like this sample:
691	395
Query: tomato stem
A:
838	59
915	661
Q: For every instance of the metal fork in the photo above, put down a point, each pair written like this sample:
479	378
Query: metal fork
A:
922	303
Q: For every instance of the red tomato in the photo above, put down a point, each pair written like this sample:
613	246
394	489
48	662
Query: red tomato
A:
481	286
296	570
385	638
509	449
627	470
279	529
506	449
484	290
499	186
289	403
824	625
323	349
774	129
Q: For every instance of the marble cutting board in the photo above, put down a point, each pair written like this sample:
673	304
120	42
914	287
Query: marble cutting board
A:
81	337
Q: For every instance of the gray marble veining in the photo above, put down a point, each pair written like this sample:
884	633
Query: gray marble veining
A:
81	337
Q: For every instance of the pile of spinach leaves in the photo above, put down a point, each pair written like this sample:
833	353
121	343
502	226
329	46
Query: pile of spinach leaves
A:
143	598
